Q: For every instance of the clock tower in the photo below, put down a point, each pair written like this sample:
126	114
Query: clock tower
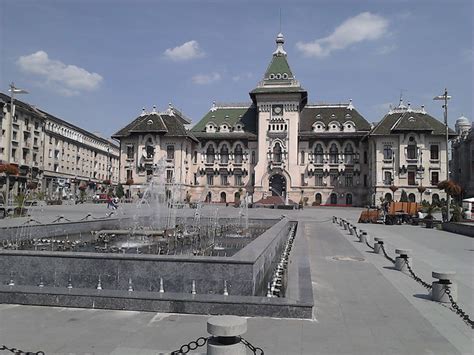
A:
279	99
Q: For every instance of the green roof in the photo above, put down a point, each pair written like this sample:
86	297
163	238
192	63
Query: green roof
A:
278	65
400	121
329	113
247	116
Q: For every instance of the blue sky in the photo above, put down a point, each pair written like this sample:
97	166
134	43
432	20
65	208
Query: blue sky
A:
97	63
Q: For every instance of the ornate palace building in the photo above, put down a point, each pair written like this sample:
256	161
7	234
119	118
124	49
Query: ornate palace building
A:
279	144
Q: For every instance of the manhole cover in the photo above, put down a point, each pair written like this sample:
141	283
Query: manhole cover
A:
348	258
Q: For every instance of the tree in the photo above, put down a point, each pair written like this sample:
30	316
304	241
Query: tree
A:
119	192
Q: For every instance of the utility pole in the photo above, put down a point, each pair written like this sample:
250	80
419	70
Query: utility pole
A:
13	90
445	97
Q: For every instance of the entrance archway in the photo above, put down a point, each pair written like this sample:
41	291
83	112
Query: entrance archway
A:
277	184
349	199
318	199
333	199
223	197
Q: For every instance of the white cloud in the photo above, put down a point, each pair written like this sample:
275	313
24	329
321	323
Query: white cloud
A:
67	79
363	27
243	76
205	79
186	51
386	49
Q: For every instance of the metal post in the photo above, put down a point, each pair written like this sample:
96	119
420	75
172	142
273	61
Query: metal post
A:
447	148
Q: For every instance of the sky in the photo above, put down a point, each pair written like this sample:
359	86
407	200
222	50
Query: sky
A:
97	63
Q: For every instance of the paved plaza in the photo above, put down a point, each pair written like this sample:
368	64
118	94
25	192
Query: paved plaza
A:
362	305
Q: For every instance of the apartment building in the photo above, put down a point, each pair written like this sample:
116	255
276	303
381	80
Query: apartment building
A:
50	154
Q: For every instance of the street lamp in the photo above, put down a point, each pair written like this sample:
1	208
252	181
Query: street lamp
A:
13	90
445	97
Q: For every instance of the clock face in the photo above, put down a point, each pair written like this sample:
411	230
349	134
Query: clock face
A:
277	109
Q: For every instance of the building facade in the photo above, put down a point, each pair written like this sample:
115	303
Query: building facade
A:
462	164
280	145
52	155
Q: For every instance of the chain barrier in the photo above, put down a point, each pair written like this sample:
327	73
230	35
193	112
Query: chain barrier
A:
192	345
370	246
417	278
20	352
386	255
254	349
458	309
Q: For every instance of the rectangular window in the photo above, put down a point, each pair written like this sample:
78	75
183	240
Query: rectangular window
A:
411	177
349	180
434	178
365	180
302	180
387	179
387	152
318	180
302	157
130	151
238	180
412	151
434	152
210	180
129	175
224	180
195	179
169	176
365	157
170	152
333	179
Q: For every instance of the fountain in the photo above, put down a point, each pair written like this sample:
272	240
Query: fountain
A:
125	262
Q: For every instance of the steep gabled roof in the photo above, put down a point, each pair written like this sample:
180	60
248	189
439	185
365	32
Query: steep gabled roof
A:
167	123
231	115
406	120
328	113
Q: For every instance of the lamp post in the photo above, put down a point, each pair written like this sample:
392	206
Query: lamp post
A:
445	97
13	90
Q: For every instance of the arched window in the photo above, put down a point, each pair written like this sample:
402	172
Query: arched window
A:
411	197
210	154
412	149
150	149
224	154
349	154
209	197
435	199
238	154
333	154
333	199
388	197
277	153
349	199
223	197
318	154
318	199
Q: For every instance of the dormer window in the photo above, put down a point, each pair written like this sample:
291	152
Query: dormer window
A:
334	126
211	128
272	76
285	76
319	127
278	76
238	128
349	126
149	122
224	128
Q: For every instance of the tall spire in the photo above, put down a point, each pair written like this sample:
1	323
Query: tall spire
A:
280	40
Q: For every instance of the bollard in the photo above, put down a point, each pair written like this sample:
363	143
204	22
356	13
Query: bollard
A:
225	335
402	259
378	245
334	219
438	292
345	225
363	237
351	229
340	222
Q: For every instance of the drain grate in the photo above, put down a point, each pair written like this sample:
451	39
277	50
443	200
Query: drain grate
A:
348	258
